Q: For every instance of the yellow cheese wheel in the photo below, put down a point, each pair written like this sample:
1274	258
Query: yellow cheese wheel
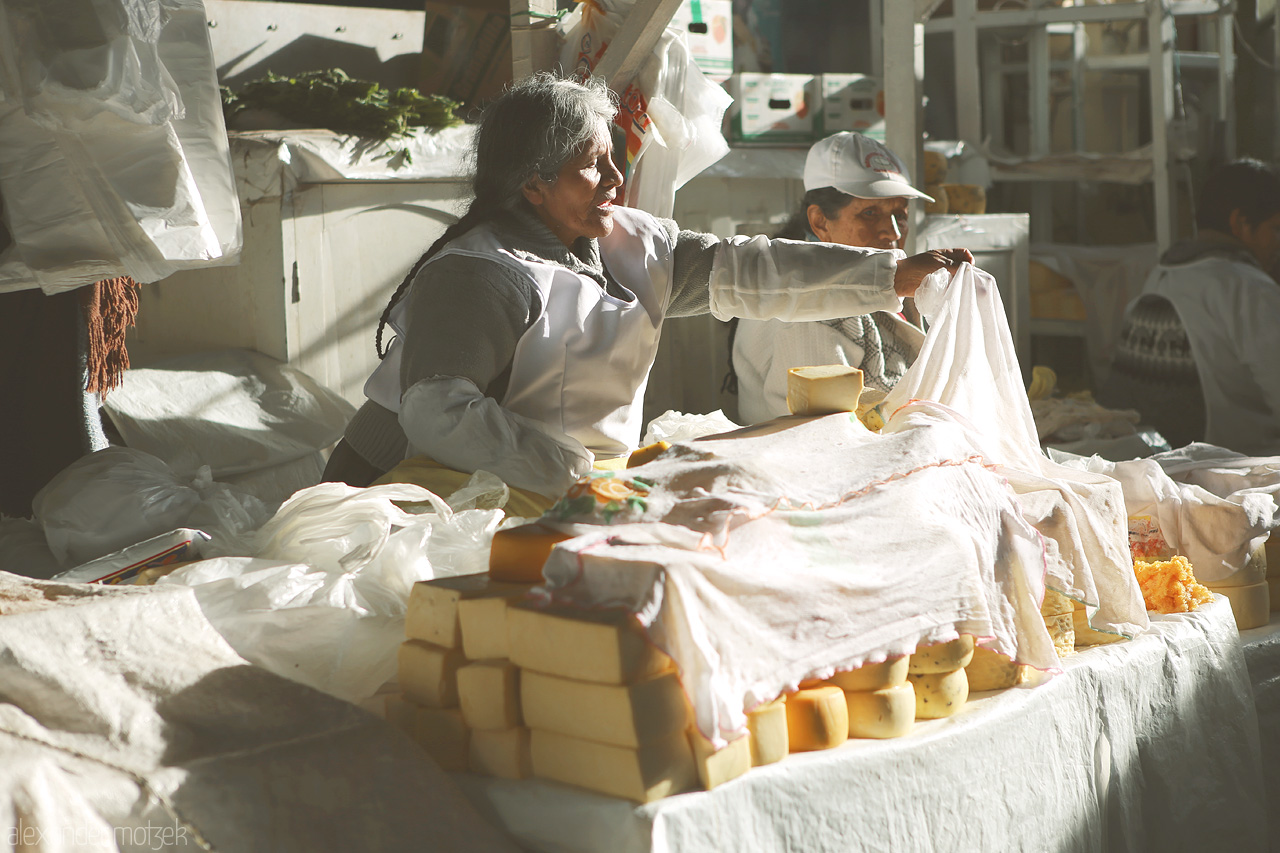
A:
1062	632
717	766
1254	571
817	718
767	727
873	676
935	168
942	657
939	195
886	713
518	553
966	198
1251	604
939	694
992	671
823	390
1055	603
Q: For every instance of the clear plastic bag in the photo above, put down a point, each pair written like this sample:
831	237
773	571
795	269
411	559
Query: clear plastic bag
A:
320	595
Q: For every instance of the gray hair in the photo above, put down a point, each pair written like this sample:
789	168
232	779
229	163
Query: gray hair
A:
532	130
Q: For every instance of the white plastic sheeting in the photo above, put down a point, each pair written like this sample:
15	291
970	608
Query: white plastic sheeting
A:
1139	746
116	156
128	724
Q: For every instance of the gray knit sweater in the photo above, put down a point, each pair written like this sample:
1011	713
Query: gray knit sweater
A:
467	314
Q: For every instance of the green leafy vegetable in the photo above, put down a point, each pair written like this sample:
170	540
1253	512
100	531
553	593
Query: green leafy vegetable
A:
330	99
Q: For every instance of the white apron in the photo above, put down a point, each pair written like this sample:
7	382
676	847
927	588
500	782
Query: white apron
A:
583	365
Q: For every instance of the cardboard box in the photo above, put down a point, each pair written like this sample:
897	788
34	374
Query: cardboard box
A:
852	102
708	27
772	107
466	51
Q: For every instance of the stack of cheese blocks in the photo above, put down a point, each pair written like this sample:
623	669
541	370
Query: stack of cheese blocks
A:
459	689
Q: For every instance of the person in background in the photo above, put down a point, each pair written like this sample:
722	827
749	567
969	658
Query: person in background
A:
856	194
1222	284
525	335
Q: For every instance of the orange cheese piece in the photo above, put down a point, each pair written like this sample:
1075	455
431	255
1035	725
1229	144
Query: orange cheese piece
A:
817	718
518	553
648	453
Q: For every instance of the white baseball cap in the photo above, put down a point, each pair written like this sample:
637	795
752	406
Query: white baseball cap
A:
857	165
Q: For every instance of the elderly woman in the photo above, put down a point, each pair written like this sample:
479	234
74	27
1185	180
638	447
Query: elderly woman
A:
856	194
525	335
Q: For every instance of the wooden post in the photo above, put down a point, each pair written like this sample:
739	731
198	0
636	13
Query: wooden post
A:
903	85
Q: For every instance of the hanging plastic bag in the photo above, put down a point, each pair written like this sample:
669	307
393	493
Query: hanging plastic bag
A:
670	115
320	593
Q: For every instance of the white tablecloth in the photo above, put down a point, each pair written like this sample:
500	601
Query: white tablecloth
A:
1262	655
1139	746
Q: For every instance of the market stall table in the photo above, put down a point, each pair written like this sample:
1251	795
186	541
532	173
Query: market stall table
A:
1262	655
1146	745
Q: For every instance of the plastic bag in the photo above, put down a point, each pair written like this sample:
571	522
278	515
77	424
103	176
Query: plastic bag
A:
116	155
670	115
320	594
117	497
671	426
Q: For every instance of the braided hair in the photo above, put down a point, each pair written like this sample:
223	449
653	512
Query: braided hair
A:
529	131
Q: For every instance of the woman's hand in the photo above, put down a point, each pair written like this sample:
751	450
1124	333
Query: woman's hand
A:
912	270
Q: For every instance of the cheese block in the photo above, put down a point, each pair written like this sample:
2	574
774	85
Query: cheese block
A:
605	646
1062	632
1086	636
889	712
620	714
1055	603
823	390
428	674
966	198
1251	605
767	729
518	553
817	718
483	620
648	453
444	735
873	676
432	614
992	671
1252	572
939	694
501	752
1273	584
489	693
717	766
656	770
942	657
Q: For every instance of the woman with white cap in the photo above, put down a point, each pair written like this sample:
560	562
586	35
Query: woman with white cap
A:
856	194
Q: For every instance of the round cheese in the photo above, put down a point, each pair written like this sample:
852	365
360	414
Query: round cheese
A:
767	729
886	713
992	671
1253	571
817	718
1055	603
939	694
943	657
873	676
1250	604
